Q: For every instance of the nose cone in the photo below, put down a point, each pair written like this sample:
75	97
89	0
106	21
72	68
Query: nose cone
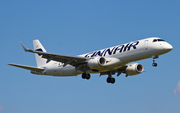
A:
168	47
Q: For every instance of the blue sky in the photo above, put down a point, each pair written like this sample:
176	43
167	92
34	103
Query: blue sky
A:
77	27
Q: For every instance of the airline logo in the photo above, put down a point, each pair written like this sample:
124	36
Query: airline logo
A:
39	50
114	50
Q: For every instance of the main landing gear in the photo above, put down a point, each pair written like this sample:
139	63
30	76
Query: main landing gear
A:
154	59
110	79
86	76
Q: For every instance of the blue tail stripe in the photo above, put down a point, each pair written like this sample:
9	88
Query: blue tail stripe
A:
39	50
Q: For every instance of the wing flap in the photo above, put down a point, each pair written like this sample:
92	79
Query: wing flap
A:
27	67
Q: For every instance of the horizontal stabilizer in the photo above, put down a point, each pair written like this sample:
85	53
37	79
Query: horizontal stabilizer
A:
27	67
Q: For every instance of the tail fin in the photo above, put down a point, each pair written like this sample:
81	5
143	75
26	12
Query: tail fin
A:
38	47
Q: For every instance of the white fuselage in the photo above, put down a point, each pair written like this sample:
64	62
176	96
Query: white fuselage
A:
116	56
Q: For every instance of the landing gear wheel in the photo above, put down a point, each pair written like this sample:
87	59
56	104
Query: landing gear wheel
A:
110	80
113	80
86	76
154	64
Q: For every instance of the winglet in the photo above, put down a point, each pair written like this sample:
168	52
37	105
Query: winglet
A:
25	49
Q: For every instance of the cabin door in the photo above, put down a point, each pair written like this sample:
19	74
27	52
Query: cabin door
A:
146	45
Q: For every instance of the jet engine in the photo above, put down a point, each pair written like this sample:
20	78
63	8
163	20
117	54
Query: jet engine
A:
134	69
96	62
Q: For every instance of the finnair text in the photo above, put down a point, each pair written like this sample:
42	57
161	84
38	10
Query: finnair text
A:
113	50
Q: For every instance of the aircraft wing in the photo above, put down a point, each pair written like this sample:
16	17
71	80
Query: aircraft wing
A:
72	60
27	67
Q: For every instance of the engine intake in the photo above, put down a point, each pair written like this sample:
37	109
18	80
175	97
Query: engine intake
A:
96	62
134	69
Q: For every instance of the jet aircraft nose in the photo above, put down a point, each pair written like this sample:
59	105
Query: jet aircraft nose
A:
168	47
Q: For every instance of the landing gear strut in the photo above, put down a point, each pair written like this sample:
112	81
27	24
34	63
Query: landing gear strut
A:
86	75
154	59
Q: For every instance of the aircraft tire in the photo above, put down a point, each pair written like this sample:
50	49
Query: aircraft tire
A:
154	64
84	76
88	76
113	80
108	80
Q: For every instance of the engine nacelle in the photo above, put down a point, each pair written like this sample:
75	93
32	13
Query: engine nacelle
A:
134	69
96	62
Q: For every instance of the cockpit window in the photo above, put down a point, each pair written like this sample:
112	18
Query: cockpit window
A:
155	40
158	40
161	40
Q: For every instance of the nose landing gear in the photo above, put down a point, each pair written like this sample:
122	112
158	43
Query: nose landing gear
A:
154	59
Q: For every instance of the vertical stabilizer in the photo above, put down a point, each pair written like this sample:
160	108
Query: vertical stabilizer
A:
38	47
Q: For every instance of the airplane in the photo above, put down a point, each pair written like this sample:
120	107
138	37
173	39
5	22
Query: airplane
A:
109	61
